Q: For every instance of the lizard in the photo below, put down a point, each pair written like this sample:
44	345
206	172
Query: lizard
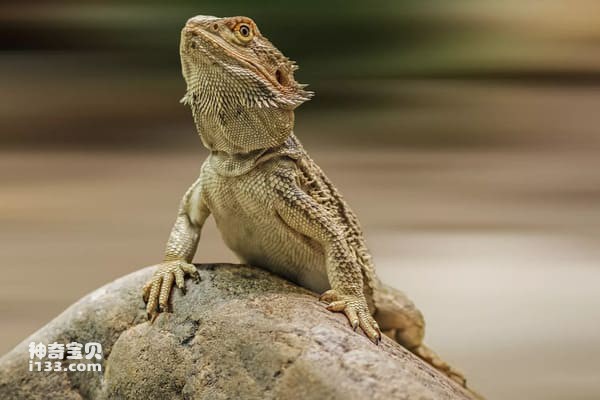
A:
273	205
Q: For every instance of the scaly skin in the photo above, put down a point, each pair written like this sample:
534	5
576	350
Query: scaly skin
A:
274	206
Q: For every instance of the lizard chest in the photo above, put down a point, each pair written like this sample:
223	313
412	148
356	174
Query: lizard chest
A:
244	212
242	207
239	197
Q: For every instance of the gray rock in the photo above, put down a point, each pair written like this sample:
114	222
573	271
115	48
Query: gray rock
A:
241	333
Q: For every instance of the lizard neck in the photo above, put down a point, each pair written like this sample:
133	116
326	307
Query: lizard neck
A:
238	164
243	130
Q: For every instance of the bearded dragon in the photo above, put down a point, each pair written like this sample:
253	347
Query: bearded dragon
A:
274	206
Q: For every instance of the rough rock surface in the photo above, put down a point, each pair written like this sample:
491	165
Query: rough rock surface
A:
241	333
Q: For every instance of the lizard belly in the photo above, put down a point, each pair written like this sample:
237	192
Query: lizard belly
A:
252	229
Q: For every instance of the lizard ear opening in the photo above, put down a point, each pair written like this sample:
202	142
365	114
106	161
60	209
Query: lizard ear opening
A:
279	76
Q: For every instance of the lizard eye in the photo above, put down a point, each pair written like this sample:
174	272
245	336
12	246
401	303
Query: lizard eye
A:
244	32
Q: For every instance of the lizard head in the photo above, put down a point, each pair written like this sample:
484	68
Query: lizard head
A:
240	87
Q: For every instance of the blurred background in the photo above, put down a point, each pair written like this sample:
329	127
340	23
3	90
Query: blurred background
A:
465	134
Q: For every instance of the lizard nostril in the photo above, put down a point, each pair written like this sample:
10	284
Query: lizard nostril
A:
215	27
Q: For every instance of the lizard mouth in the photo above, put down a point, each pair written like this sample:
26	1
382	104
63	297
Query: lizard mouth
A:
210	46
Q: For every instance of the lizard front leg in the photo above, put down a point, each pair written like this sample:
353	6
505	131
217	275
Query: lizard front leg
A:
179	252
306	216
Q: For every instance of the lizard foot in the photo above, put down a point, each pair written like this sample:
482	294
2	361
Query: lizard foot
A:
157	290
356	311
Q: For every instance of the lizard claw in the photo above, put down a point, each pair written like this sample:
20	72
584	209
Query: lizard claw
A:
356	310
157	290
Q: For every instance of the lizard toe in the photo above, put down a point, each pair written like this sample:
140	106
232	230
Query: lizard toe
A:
165	291
146	291
152	304
352	316
329	296
337	306
369	327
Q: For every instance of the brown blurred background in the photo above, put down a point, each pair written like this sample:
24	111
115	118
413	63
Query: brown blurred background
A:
466	135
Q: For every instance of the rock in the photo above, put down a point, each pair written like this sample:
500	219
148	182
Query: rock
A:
241	333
